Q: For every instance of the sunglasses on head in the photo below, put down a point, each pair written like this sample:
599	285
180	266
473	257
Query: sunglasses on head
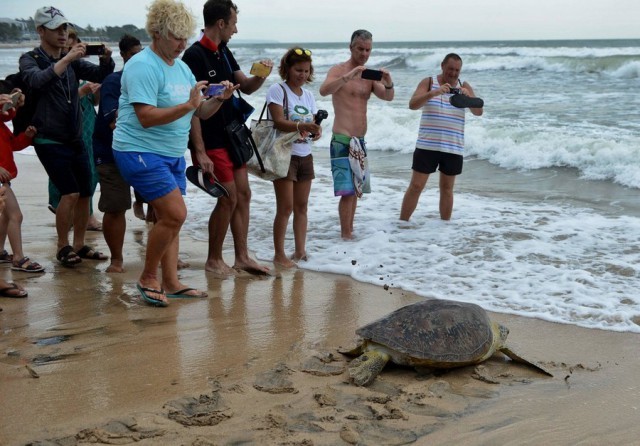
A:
301	51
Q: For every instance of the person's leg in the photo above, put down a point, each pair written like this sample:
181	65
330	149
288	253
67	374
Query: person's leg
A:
412	194
240	225
115	225
170	215
65	217
54	196
80	218
346	212
4	226
284	206
446	195
218	226
13	217
301	191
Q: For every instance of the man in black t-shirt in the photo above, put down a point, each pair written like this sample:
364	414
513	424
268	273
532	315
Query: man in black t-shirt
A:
211	60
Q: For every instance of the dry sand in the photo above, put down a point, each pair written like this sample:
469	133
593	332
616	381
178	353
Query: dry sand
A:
256	362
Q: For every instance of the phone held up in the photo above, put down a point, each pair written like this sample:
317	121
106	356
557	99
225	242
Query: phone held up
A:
214	90
374	75
95	49
259	69
15	97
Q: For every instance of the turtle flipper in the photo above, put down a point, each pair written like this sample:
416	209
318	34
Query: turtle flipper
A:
364	369
517	358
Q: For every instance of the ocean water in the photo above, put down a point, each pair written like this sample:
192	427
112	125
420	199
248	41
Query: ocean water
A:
546	219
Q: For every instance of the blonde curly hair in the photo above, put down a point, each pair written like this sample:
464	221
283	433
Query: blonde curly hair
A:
170	16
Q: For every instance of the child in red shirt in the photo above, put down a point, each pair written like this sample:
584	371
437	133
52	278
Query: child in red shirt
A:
11	218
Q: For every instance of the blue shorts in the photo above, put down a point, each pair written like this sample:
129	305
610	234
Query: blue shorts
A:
152	176
67	166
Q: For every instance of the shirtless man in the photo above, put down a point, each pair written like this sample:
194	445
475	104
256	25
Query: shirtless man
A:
350	94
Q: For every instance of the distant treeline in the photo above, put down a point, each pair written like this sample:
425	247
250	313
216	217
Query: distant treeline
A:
25	30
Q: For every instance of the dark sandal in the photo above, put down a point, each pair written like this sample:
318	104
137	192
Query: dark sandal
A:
17	291
87	252
27	266
67	256
5	257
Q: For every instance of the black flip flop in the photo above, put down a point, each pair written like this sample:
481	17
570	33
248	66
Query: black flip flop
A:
464	101
206	182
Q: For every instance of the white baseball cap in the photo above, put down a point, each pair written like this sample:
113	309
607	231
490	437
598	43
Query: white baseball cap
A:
49	17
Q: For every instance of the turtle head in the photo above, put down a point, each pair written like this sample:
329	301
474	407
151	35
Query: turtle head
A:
503	332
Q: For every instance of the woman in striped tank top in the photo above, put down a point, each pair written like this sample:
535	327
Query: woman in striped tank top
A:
440	141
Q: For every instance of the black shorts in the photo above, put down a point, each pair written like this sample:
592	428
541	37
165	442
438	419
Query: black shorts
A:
67	166
426	161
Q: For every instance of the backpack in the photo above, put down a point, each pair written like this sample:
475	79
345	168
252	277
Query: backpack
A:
24	114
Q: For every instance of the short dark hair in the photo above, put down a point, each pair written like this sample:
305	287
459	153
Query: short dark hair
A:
362	34
127	42
215	10
290	58
453	56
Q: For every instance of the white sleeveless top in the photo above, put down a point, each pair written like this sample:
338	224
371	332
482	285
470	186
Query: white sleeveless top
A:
441	124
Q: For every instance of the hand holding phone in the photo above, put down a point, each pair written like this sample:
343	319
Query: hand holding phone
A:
374	75
259	69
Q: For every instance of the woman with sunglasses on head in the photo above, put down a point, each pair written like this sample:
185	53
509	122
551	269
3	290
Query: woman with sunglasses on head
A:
292	191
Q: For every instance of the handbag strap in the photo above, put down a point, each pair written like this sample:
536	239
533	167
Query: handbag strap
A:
285	105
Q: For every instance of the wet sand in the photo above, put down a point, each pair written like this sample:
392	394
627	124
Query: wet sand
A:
256	362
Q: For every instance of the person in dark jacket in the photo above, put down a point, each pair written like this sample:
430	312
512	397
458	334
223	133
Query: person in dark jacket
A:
57	117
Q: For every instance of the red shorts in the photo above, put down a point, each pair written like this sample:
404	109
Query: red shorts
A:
222	165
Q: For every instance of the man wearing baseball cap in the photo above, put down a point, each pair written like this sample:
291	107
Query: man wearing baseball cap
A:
52	74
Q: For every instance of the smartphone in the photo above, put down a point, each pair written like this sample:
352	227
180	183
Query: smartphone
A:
214	90
15	97
259	69
95	49
374	75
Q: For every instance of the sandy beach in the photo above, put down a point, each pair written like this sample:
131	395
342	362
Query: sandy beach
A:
84	360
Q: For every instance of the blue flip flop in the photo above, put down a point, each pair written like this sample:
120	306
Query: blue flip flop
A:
150	300
182	294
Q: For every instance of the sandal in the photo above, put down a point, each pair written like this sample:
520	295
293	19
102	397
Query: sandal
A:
13	290
87	252
27	266
5	257
67	256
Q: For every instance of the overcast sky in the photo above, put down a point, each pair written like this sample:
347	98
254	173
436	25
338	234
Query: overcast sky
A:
408	20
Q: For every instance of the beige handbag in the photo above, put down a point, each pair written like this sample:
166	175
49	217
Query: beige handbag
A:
273	146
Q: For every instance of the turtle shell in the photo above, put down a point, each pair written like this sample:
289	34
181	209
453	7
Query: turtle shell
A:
434	331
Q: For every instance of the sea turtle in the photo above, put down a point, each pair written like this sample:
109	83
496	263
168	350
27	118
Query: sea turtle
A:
431	333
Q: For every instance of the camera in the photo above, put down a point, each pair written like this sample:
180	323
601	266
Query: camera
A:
94	49
214	90
374	75
454	91
320	115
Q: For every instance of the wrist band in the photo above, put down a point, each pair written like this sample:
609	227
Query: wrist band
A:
389	87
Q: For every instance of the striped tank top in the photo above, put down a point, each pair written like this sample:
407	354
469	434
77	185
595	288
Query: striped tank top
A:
441	124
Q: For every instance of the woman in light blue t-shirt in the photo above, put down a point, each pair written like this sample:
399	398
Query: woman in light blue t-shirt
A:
292	191
159	97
